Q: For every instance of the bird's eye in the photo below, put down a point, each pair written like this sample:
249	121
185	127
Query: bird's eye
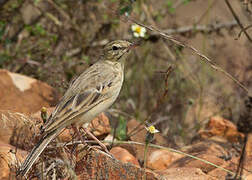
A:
114	48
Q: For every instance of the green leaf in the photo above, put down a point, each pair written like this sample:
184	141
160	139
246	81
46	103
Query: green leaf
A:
2	29
169	3
186	1
126	9
3	58
86	58
172	10
121	130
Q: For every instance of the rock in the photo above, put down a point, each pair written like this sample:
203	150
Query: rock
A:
123	155
17	129
249	177
9	160
216	151
161	159
208	151
232	164
24	94
218	126
97	165
249	146
29	13
185	174
140	137
100	125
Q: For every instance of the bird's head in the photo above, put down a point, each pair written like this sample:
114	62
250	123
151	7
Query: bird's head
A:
117	50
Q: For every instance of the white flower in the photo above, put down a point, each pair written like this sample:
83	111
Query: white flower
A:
152	129
138	31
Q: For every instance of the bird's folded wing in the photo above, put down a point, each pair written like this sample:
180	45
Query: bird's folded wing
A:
76	105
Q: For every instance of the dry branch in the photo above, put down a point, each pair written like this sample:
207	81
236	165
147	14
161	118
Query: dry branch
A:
200	28
244	30
238	20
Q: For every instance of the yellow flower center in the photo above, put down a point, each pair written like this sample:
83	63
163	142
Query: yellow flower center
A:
152	129
138	30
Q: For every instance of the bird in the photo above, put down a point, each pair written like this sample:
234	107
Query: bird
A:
94	91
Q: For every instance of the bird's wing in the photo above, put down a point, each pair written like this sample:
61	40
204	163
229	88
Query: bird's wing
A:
86	92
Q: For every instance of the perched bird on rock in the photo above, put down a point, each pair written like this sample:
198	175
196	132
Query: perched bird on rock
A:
91	93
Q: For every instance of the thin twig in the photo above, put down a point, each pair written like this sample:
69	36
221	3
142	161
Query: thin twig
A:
237	19
62	12
200	28
243	31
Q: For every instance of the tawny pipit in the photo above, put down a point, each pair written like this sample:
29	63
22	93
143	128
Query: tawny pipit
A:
91	93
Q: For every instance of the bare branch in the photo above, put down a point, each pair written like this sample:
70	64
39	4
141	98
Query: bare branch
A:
238	20
200	28
243	30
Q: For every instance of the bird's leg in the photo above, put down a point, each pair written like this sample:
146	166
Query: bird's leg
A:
81	139
97	140
78	133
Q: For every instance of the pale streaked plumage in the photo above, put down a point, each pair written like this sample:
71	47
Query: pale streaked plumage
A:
91	93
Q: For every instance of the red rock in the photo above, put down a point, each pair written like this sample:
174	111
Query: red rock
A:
249	177
249	146
185	174
161	159
123	155
9	160
208	151
24	94
218	126
17	129
97	165
230	165
100	125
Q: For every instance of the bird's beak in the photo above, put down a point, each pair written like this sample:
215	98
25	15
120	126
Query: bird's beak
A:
132	46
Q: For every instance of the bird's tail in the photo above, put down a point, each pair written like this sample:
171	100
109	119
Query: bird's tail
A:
36	151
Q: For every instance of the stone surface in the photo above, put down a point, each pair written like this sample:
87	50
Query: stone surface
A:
97	165
249	177
17	129
123	155
218	126
9	160
24	94
161	159
185	174
208	151
232	164
100	125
